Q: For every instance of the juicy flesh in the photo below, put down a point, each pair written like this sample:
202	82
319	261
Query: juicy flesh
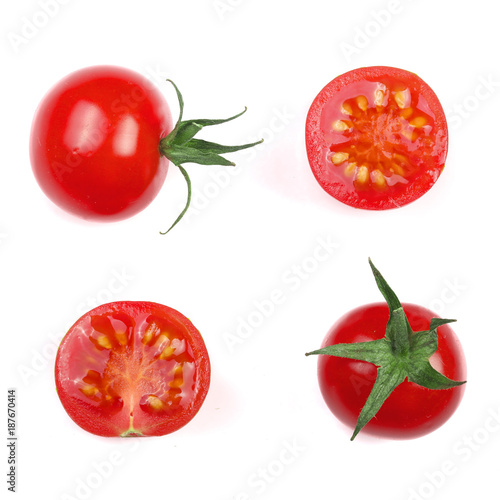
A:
374	137
143	370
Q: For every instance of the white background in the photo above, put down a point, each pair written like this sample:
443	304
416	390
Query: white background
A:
245	238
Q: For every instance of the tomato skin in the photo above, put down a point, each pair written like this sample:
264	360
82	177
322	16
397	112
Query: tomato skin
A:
94	143
102	385
425	157
410	411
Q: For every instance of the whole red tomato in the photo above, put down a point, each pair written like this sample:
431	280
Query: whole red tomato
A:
132	369
411	410
376	137
390	369
94	143
102	138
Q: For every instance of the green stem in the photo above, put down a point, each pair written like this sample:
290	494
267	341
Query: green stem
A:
181	147
181	215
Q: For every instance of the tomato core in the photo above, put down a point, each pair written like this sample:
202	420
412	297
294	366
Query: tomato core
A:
373	135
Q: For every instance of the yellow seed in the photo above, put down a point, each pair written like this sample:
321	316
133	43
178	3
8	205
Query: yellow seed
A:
350	169
178	370
402	99
178	379
148	335
339	158
398	169
152	330
340	126
379	97
378	178
155	403
176	383
104	342
121	337
362	174
346	108
89	390
418	121
401	158
167	352
406	113
362	102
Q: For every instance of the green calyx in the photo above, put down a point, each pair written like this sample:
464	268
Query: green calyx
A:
402	354
181	147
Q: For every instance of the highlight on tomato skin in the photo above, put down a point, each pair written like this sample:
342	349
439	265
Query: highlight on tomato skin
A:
376	138
132	369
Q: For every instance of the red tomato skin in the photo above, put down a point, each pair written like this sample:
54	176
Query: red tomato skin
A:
316	145
410	411
94	143
112	421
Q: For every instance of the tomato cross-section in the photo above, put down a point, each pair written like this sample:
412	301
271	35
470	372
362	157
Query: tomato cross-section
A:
132	369
376	138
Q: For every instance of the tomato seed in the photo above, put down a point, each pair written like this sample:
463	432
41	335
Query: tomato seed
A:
104	342
339	158
362	102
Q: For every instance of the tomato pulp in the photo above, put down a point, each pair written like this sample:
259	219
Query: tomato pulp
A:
376	138
94	143
132	369
411	410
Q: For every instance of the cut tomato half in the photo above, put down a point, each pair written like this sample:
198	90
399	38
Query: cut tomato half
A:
376	138
132	369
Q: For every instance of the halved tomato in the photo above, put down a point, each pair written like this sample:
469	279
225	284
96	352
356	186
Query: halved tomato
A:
132	369
376	137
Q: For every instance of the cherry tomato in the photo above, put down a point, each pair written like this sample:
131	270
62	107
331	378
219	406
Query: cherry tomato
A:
410	410
101	142
132	369
376	138
94	143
